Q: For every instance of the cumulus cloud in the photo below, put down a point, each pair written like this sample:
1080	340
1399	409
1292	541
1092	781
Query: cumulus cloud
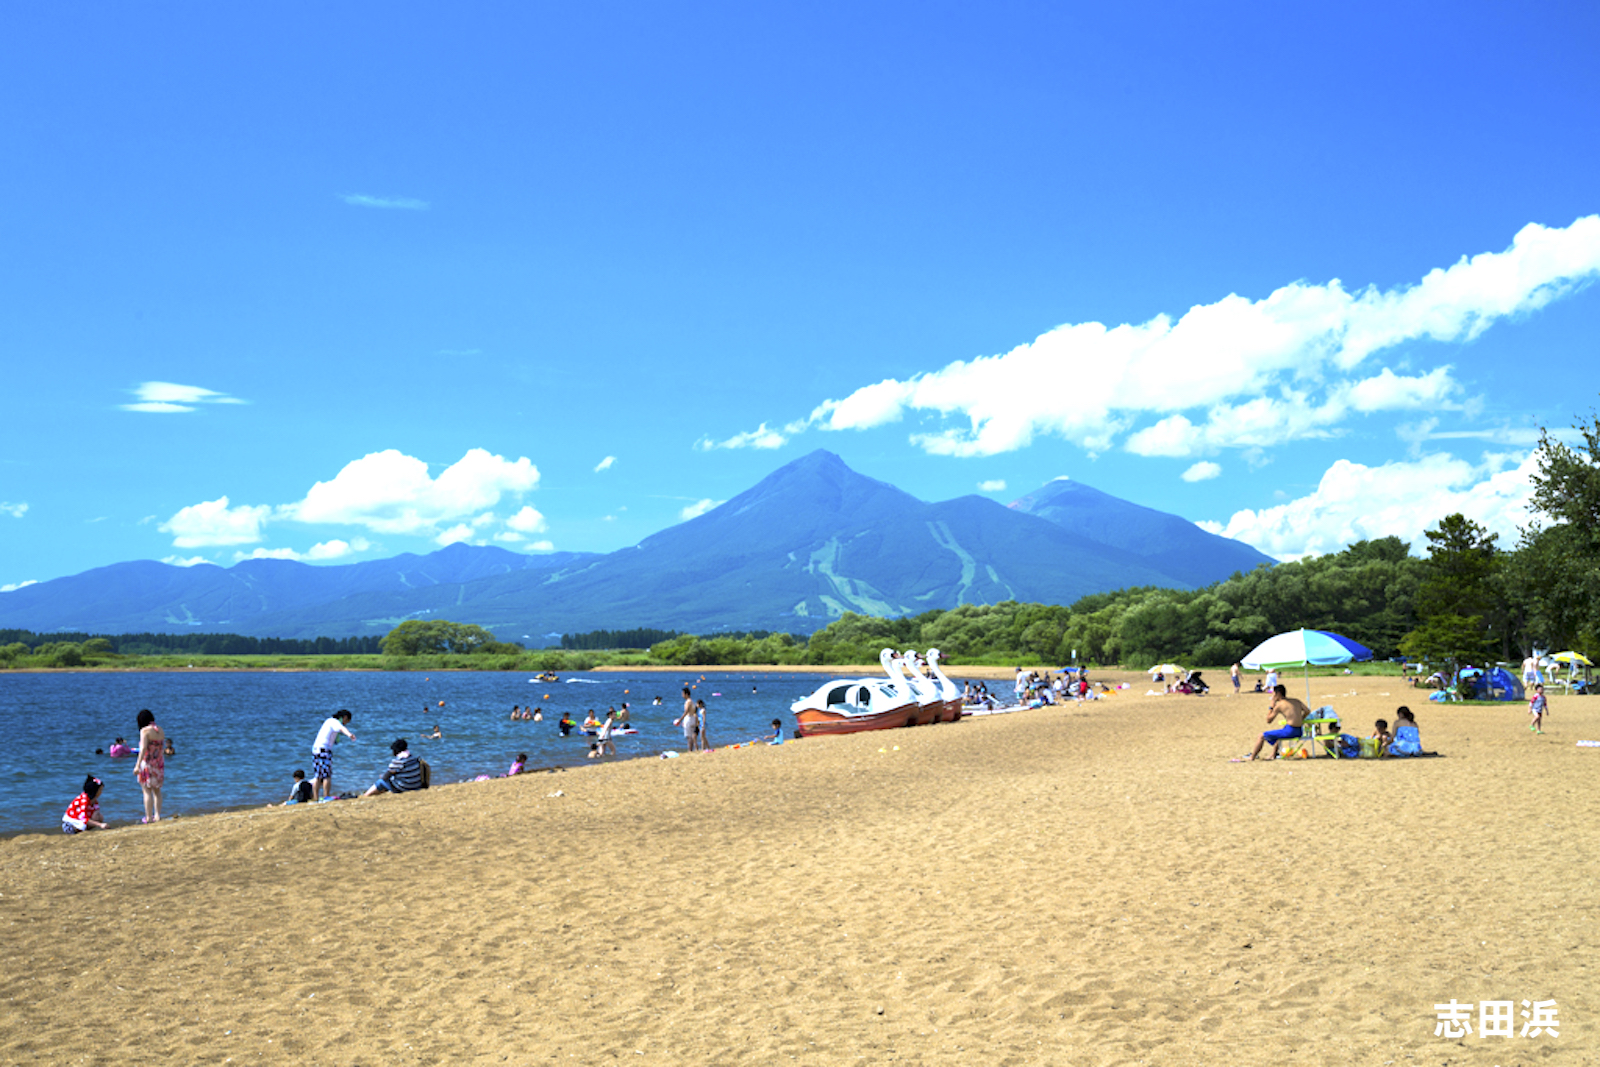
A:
698	508
268	553
213	522
760	437
993	485
323	550
390	492
385	492
1203	471
16	511
605	464
167	398
13	587
1257	372
1355	502
391	203
187	561
526	521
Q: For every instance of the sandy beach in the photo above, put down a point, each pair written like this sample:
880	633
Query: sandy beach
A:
1094	884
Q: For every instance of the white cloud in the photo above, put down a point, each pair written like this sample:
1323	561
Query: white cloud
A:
605	464
1354	502
323	550
1203	471
993	485
457	533
187	561
1291	354
169	397
389	492
526	521
698	508
16	511
337	548
542	546
393	203
18	585
215	523
268	553
760	437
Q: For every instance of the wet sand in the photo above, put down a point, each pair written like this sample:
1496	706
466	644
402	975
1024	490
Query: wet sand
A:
1090	885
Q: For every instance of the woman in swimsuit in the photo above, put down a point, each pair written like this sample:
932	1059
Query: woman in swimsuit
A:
151	770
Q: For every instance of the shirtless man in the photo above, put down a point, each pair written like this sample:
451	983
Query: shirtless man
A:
1294	713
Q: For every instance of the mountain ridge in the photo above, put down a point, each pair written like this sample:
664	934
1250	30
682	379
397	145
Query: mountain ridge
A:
805	544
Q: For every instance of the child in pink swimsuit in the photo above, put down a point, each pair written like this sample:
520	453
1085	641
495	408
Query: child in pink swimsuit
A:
151	770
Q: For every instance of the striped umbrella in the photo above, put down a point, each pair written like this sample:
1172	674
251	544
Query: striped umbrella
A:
1302	648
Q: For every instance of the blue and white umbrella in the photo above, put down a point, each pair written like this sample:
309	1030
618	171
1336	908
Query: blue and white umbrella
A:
1302	648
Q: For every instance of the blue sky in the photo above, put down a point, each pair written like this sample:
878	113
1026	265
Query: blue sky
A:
335	282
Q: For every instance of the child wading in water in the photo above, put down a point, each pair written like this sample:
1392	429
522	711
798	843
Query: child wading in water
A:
84	811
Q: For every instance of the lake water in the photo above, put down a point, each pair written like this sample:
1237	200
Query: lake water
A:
240	734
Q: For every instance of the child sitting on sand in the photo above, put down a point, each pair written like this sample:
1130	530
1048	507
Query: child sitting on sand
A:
776	736
517	765
300	792
1380	737
84	811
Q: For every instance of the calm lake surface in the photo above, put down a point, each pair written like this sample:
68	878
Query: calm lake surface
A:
240	734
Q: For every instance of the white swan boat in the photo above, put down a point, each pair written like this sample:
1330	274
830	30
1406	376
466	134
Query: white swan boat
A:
850	705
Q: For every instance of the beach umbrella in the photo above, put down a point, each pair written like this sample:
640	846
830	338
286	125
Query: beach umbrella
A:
1572	657
1165	668
1302	648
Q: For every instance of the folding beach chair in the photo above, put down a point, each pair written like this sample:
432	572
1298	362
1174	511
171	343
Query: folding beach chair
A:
1314	736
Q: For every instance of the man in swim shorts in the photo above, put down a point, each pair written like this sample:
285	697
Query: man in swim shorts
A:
1294	713
322	752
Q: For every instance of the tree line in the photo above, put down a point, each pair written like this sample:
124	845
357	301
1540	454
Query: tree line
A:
25	647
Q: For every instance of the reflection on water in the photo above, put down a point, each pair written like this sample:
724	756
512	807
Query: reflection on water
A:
240	734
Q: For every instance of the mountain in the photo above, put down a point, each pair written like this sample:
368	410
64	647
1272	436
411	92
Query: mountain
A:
1168	543
809	542
146	596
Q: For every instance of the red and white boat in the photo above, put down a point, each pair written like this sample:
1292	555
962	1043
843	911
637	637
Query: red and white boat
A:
852	705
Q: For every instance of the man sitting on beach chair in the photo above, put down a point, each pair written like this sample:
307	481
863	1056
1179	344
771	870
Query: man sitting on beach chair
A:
1294	713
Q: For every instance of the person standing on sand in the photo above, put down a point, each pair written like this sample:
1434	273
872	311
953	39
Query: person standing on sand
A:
151	770
1294	713
1233	672
690	721
1537	707
322	752
700	727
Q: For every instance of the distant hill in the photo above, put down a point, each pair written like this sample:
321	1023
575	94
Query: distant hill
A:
146	596
809	542
1170	544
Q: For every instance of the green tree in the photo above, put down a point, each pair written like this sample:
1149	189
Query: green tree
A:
416	637
1562	570
1457	593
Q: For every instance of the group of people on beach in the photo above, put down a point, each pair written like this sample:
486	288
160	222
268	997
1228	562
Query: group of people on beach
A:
149	770
1406	740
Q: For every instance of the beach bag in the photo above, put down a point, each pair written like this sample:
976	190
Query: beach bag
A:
1349	747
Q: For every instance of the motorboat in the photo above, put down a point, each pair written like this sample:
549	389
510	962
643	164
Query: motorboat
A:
852	705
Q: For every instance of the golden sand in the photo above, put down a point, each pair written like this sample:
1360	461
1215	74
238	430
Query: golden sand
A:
1089	885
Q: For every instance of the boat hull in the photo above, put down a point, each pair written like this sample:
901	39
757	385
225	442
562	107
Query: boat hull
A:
812	722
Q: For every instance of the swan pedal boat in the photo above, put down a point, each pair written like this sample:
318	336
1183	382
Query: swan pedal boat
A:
903	697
